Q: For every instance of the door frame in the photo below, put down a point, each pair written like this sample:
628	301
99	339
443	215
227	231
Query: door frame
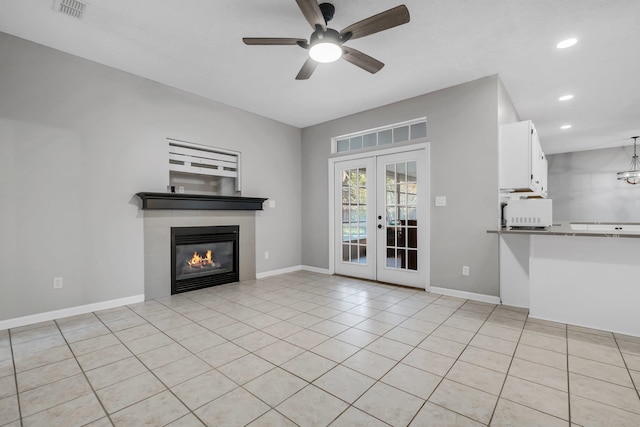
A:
374	153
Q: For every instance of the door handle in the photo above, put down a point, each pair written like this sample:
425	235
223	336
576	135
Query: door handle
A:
380	226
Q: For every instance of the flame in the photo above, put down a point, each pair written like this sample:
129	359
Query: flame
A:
198	261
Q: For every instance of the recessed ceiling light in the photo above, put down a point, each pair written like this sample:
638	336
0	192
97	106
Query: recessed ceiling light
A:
566	43
565	127
565	97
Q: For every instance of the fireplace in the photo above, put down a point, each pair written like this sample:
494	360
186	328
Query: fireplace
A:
203	256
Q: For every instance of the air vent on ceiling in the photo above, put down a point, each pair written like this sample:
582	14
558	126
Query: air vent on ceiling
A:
73	8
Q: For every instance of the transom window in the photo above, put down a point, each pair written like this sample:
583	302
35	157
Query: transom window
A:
409	131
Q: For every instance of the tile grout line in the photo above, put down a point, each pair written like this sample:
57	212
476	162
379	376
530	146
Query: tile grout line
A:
626	366
376	381
310	383
599	379
439	382
511	362
304	295
84	374
249	352
463	350
190	411
175	341
149	370
566	337
15	379
456	360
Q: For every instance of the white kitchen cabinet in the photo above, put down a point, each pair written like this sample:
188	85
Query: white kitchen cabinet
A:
543	174
523	165
617	228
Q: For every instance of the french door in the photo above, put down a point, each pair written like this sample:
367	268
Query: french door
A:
381	223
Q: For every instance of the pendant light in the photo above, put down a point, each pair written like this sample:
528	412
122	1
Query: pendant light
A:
632	176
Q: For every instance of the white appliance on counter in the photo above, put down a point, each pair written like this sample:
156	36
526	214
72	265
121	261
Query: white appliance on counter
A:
528	213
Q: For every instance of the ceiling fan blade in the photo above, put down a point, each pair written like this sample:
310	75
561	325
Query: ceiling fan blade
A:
271	41
307	69
382	21
361	60
312	13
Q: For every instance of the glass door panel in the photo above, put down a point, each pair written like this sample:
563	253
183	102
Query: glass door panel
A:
354	235
402	215
405	240
357	219
381	218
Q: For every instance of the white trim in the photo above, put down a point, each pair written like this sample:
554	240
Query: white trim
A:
67	312
334	140
374	153
278	272
316	269
331	174
466	295
293	269
331	203
381	151
590	326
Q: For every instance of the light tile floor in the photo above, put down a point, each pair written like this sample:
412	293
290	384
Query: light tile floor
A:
307	349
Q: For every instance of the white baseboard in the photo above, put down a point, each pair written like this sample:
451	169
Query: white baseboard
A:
67	312
278	272
316	269
291	270
466	295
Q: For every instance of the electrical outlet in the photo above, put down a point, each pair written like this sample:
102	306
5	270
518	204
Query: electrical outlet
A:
57	283
465	270
266	255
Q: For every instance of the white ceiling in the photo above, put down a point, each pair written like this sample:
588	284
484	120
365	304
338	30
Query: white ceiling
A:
196	45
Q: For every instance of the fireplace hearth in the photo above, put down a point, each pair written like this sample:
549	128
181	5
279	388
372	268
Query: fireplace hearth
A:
203	256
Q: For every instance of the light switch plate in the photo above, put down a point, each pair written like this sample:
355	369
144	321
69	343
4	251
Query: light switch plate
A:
441	201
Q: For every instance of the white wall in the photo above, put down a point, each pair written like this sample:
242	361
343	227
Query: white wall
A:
584	187
462	127
506	110
78	140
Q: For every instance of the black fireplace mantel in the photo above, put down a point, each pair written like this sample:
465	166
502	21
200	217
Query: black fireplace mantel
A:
199	202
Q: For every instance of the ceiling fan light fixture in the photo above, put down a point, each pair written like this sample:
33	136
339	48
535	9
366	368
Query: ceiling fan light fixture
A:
326	44
325	52
632	176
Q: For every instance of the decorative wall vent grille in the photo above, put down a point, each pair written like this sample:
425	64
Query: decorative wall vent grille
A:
73	8
198	159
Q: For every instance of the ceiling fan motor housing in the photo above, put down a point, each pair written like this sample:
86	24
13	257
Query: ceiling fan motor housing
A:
329	36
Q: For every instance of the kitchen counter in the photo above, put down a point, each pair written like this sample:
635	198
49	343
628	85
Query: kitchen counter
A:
586	281
589	229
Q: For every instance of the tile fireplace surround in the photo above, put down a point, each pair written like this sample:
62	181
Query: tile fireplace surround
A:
157	243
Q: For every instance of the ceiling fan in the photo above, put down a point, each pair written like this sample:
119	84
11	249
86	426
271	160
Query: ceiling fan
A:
326	44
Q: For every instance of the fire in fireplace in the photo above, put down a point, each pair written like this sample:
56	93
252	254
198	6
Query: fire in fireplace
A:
203	257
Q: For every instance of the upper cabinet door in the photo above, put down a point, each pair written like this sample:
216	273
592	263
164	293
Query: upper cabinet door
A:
522	162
